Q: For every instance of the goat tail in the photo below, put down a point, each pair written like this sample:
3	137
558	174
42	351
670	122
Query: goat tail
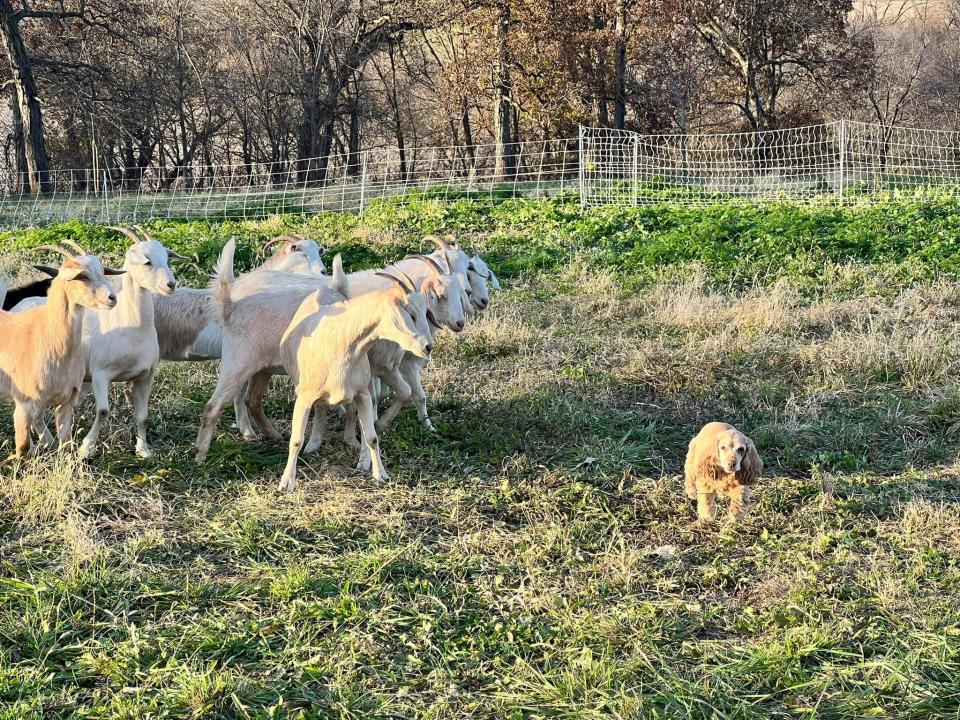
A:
338	279
222	280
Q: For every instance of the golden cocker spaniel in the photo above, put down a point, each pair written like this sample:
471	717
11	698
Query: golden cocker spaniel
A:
721	460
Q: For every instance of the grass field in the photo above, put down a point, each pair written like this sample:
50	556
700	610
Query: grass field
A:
536	558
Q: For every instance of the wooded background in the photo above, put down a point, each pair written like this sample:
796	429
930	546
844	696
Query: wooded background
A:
139	86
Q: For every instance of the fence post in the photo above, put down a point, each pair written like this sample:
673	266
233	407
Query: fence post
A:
843	156
581	159
636	162
363	179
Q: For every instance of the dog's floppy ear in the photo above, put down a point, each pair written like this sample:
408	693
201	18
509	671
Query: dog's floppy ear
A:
708	457
751	467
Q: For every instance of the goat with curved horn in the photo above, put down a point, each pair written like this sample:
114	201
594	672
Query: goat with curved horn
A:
128	232
429	261
68	254
395	279
413	285
75	246
438	241
288	239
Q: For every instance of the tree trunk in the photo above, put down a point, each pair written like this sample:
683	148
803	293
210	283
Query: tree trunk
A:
321	165
28	106
394	99
353	135
620	69
19	153
506	162
468	138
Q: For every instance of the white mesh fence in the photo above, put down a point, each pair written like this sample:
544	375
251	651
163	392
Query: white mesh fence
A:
839	161
335	183
621	167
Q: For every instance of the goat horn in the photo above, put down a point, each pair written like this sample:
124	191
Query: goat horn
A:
289	239
413	285
144	233
57	249
128	232
75	246
395	279
438	241
428	260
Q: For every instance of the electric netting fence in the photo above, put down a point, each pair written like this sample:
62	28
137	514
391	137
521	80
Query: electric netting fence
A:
839	161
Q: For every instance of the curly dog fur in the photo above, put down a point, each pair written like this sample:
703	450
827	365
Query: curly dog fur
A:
721	460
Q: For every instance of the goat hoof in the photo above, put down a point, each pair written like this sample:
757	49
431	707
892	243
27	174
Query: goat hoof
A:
199	457
429	426
364	465
86	452
287	485
384	477
311	447
144	452
248	435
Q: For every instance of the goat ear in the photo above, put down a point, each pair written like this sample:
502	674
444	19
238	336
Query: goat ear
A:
494	280
174	255
138	257
111	271
52	272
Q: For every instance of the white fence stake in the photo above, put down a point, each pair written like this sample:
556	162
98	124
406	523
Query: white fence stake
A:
843	154
636	162
582	163
363	179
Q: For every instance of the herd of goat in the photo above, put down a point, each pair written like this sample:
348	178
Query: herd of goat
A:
342	338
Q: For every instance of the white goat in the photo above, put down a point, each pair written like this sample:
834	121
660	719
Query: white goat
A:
41	359
120	345
443	294
325	353
253	325
186	333
398	369
297	255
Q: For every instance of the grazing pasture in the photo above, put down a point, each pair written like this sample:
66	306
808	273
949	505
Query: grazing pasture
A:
536	557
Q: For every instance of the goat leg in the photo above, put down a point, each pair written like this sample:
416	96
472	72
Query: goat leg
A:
319	426
402	391
301	413
254	401
364	405
139	396
244	423
100	385
22	421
